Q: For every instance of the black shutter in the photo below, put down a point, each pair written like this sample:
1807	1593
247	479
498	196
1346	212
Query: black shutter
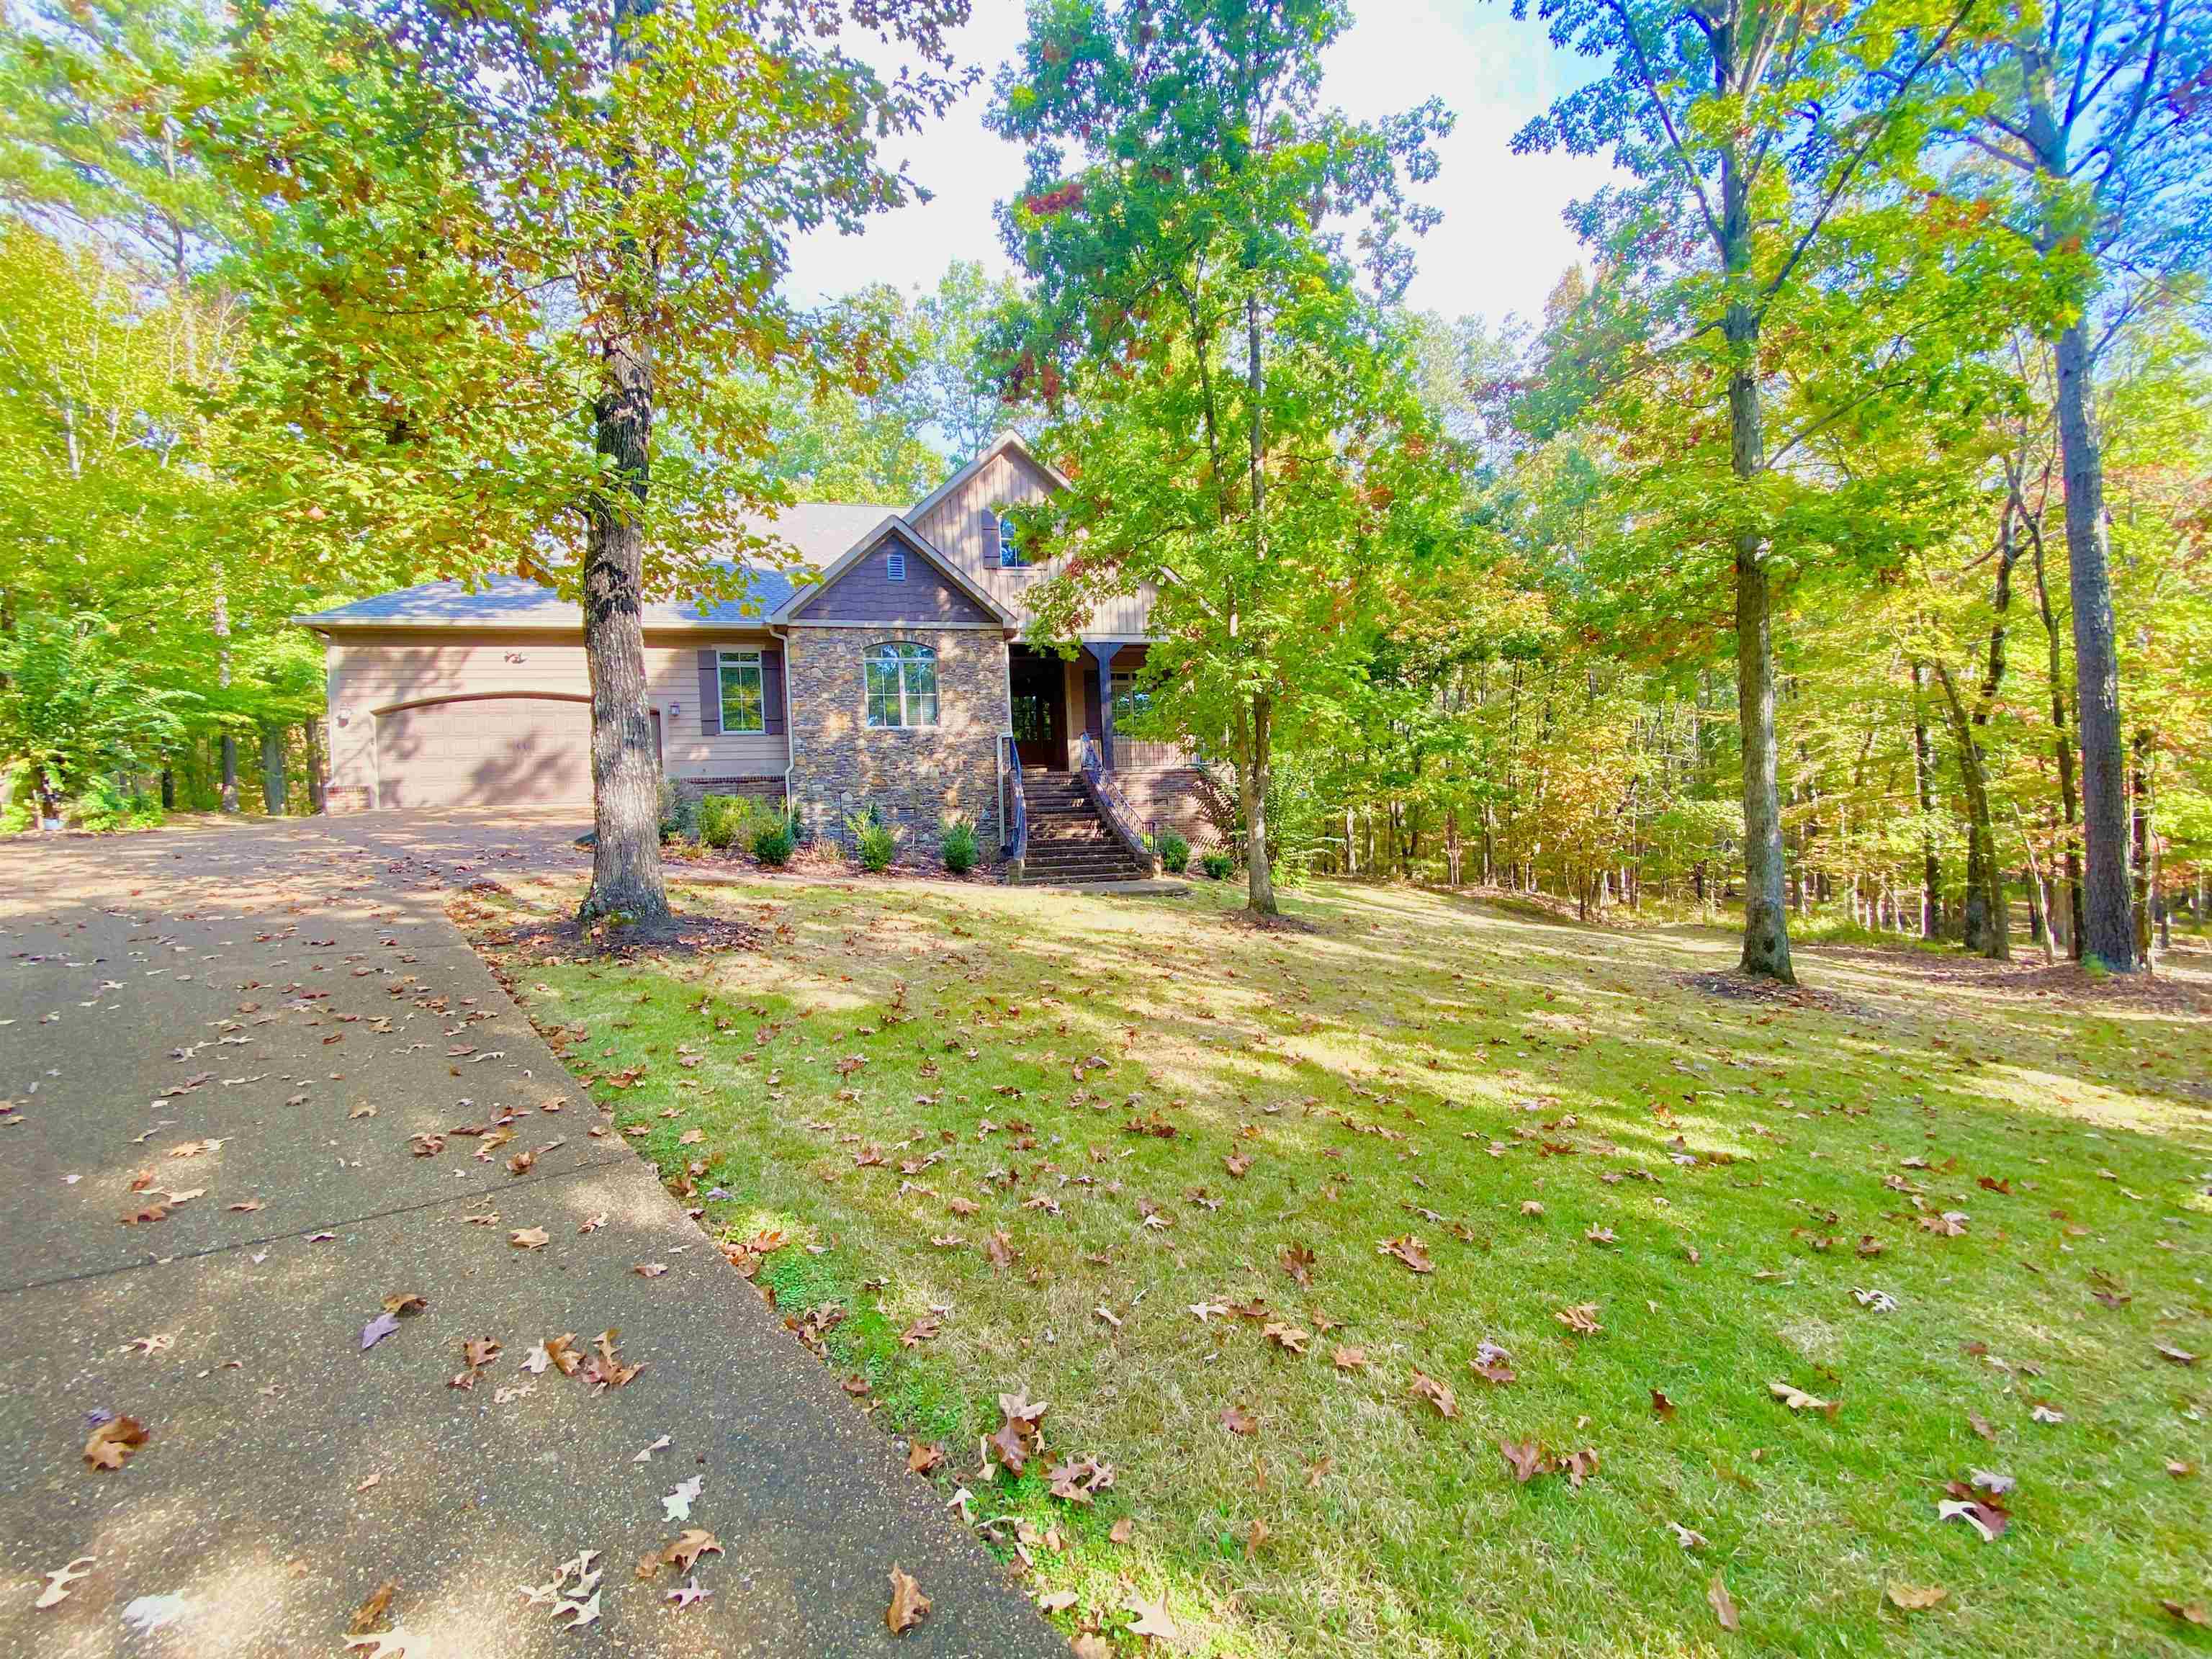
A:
710	693
772	690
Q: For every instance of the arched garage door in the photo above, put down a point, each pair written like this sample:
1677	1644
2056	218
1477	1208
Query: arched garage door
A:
486	751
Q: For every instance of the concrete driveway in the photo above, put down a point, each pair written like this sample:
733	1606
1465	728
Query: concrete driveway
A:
232	1035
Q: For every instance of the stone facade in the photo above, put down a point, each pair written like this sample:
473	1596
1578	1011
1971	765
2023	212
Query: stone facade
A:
916	777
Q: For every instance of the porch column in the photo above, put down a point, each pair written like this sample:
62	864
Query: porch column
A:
1102	652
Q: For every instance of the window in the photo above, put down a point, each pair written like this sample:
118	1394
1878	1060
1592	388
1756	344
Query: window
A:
895	567
745	709
901	682
1131	700
1010	544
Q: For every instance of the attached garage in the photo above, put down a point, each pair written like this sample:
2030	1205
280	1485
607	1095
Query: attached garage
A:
495	750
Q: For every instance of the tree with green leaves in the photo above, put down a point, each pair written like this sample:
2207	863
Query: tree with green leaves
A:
2092	113
518	263
1241	425
73	711
1748	131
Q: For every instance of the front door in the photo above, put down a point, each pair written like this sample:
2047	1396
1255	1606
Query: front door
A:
1039	713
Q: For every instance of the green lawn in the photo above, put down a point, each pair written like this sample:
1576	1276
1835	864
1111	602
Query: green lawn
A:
1408	1063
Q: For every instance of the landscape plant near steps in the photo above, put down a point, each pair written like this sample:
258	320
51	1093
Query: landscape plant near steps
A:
957	845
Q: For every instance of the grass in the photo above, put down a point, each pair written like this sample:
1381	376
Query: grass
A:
1408	1062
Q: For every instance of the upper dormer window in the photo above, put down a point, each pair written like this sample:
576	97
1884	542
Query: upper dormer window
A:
1010	556
895	566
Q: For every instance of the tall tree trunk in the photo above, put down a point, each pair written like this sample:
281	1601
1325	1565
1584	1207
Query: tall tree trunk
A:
1256	735
1923	785
272	770
229	741
2146	870
2108	930
311	739
1259	879
1765	915
2062	749
1986	929
626	876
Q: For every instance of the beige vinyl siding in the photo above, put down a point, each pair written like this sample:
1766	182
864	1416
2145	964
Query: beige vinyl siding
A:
956	526
368	671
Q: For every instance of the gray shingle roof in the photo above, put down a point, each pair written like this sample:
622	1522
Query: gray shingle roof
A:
821	531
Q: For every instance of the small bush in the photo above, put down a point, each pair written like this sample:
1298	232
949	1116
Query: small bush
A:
1216	866
1174	851
679	813
104	809
958	847
724	821
874	842
774	840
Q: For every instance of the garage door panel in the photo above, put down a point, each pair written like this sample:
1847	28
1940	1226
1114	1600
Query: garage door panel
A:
485	752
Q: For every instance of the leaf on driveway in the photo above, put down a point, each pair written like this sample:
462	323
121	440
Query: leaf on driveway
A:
908	1607
677	1506
529	1238
384	1325
111	1444
59	1580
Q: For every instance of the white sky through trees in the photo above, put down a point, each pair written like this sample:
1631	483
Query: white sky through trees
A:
1501	244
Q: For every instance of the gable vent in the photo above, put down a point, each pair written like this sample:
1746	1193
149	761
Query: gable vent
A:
895	567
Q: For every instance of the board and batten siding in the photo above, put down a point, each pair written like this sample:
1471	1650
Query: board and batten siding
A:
964	526
866	591
372	670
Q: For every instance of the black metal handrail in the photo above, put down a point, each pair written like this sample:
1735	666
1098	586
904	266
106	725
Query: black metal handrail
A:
1108	794
1017	843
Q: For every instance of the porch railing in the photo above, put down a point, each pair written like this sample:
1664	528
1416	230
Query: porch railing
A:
1105	793
1016	820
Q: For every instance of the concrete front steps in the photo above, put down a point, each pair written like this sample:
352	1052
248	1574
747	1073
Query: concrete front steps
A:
1070	845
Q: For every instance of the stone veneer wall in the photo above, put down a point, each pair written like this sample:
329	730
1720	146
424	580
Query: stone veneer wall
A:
839	765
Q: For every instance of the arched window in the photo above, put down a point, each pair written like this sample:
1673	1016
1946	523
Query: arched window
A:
902	681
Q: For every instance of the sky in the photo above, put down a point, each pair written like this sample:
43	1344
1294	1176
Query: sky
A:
1501	244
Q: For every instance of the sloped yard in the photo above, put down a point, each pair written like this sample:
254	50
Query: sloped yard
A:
1864	1321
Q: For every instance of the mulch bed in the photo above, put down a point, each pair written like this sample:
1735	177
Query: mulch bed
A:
567	940
1743	988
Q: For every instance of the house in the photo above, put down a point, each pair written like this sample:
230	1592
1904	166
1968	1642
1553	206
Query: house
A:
895	678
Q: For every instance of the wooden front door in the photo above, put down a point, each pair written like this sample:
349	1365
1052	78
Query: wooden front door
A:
1039	711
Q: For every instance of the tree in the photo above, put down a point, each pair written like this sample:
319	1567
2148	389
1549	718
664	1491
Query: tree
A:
1243	435
501	247
2093	107
72	711
1746	126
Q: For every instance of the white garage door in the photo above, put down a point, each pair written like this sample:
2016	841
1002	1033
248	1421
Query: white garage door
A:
486	751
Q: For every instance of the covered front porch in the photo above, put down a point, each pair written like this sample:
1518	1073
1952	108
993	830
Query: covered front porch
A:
1056	702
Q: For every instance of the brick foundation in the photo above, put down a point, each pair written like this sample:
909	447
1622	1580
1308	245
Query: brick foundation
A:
768	790
1171	798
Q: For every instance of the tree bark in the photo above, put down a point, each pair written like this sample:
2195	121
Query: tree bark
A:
626	876
311	739
1986	929
1765	915
2107	923
2062	749
272	770
1259	737
1923	783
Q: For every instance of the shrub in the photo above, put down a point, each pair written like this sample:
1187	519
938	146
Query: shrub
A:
774	840
958	847
105	808
679	813
874	842
727	820
1216	866
1174	851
